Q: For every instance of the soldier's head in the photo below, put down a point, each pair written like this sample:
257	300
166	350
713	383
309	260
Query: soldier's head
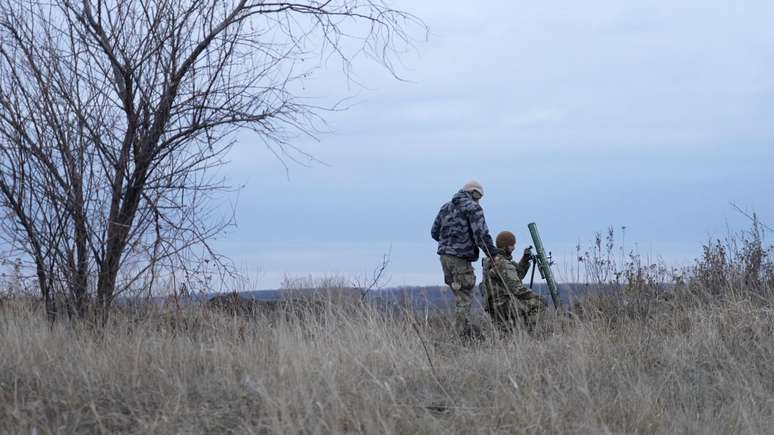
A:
506	241
475	189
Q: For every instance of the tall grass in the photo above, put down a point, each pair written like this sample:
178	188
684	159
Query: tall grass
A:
695	357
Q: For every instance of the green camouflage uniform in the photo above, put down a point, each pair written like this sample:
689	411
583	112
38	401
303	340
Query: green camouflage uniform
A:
506	299
459	275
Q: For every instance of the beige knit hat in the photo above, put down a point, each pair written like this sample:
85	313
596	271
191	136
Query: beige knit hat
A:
473	186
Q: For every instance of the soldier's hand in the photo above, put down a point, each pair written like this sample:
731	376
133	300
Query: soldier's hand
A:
528	252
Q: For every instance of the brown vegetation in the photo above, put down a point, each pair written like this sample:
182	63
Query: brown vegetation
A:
691	358
696	368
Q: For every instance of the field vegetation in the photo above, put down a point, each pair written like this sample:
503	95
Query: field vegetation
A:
693	356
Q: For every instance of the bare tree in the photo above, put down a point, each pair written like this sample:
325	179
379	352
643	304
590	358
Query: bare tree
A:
114	113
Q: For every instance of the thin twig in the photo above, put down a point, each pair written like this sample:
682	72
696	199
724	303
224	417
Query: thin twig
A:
433	372
753	218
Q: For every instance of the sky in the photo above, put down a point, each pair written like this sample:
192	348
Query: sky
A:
648	115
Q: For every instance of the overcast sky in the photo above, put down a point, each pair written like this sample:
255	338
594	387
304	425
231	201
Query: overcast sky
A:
653	115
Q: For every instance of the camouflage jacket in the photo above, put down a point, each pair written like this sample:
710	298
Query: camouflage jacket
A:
502	280
460	228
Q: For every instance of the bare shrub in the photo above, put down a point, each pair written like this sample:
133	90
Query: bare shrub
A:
622	285
333	289
233	304
740	265
712	271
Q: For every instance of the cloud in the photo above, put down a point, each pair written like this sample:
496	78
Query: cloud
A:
575	114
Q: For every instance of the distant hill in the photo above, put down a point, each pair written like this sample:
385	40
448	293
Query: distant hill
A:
420	298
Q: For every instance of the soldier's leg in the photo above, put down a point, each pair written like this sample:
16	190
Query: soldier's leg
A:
531	308
461	278
501	317
447	263
465	281
514	314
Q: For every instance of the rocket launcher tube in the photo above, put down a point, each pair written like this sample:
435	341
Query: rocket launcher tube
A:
542	263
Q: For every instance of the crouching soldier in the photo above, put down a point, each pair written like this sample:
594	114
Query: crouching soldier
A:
506	299
460	230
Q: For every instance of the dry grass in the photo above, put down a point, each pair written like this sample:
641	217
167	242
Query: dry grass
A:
694	357
697	369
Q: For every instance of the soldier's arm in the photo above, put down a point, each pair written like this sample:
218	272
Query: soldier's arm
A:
481	231
509	274
435	232
518	289
522	267
524	293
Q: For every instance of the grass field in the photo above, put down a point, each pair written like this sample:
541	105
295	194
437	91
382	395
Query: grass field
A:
694	358
701	369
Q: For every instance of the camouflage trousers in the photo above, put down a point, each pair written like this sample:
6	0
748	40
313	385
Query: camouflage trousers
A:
459	275
508	311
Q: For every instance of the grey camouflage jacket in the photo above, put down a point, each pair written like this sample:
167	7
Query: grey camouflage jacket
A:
460	228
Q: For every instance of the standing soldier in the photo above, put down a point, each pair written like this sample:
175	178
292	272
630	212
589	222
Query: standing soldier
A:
460	230
506	299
